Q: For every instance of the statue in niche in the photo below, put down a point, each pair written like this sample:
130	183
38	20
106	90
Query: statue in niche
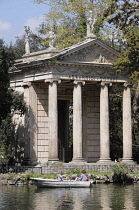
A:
27	46
52	38
90	25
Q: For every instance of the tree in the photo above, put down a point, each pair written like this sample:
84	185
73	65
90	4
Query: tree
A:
125	16
4	82
9	101
68	19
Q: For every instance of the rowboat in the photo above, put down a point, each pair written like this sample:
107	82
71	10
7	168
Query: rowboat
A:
53	183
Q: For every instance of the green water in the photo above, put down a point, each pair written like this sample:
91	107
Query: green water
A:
101	196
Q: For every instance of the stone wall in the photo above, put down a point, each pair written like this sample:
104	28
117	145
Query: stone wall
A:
91	124
43	123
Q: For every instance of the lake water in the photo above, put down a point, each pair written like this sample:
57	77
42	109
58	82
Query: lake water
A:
101	196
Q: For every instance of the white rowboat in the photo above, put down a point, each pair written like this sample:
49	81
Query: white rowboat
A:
52	183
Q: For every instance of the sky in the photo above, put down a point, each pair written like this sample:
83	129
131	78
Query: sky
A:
15	14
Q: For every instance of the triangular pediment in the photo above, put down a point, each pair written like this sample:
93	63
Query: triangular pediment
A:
92	51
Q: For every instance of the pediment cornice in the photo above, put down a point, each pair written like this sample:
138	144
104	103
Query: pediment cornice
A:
92	52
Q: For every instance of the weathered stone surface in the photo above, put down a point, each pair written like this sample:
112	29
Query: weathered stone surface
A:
49	76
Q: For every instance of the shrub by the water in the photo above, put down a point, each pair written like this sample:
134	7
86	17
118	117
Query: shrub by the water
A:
120	172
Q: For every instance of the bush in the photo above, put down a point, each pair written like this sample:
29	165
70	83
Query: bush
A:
74	171
120	172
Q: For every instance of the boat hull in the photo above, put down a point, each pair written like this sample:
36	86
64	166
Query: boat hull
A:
51	183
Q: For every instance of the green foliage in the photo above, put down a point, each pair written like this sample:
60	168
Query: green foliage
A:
123	13
128	60
9	101
50	176
124	16
92	176
6	137
68	18
11	177
18	103
74	171
4	83
47	176
23	179
7	128
98	172
120	172
115	118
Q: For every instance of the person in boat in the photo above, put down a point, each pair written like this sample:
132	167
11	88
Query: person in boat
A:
84	176
59	176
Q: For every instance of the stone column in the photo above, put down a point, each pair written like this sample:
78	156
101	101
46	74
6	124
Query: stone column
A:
127	126
77	122
104	124
30	117
33	123
27	154
53	120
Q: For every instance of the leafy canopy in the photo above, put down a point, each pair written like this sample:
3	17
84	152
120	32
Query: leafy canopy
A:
9	101
68	19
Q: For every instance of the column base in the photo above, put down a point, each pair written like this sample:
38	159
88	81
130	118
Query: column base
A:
104	161
78	161
128	161
53	160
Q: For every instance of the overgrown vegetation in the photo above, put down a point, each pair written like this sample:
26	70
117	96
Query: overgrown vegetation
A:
120	172
10	102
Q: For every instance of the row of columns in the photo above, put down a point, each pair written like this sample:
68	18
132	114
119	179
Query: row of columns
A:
104	124
77	123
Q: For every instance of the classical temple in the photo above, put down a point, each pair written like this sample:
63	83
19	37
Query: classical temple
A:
59	86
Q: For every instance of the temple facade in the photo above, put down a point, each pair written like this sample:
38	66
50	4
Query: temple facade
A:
66	93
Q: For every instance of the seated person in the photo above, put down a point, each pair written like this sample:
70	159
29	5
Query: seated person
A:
59	176
84	176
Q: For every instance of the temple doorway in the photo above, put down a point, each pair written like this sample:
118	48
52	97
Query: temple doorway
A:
65	148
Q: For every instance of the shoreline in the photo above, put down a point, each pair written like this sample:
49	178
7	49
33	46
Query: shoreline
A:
24	178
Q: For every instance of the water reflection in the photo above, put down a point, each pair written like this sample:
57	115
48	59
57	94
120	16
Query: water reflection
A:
16	198
61	199
123	197
100	197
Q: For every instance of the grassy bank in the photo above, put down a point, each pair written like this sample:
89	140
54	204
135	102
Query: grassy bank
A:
118	174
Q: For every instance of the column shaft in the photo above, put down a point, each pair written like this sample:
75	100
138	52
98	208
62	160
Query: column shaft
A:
77	122
33	123
127	126
53	122
104	124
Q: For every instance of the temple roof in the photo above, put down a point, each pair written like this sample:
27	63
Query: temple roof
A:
89	51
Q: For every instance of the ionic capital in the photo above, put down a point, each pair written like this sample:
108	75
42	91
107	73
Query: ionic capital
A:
78	81
26	84
52	81
127	84
105	84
